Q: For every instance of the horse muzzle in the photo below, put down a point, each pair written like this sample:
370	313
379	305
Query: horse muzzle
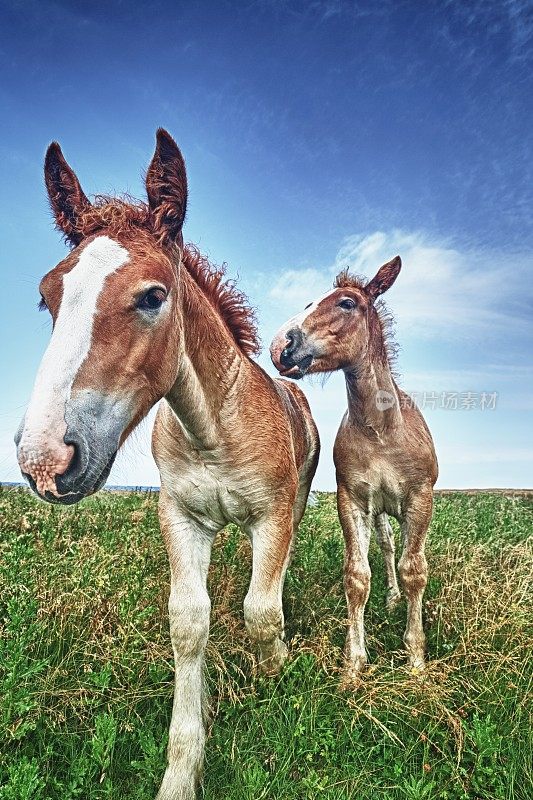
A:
290	353
65	469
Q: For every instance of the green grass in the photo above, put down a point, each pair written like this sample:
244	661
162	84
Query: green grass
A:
86	674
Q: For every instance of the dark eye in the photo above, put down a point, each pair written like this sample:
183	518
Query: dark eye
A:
42	306
347	303
308	306
152	300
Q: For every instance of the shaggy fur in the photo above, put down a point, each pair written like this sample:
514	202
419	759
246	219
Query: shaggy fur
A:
126	218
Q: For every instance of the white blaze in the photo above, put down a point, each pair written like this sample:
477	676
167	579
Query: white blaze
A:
299	319
42	446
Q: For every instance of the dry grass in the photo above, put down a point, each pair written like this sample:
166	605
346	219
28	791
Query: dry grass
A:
86	673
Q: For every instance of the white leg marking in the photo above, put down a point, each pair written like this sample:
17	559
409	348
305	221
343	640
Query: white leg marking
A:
189	608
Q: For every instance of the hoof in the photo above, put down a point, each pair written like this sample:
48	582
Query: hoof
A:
352	673
416	663
393	599
176	787
273	658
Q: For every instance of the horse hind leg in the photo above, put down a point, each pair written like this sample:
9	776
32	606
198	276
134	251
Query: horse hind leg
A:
304	487
385	540
263	611
272	544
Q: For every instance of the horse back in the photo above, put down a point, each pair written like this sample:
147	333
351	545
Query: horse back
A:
305	437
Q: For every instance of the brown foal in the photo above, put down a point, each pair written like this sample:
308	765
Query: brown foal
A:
139	317
384	455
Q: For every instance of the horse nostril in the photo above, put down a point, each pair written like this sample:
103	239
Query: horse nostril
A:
293	339
75	461
69	480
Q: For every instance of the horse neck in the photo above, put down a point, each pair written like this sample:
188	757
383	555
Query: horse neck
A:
364	380
209	365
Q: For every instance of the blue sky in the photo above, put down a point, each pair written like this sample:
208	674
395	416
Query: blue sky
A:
316	135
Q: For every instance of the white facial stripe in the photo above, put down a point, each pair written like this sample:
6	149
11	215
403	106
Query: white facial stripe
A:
299	319
72	334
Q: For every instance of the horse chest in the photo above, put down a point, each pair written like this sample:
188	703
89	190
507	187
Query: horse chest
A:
211	495
387	496
374	475
377	486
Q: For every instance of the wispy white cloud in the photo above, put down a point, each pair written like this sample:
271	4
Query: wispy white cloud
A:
441	289
511	21
296	287
483	454
473	377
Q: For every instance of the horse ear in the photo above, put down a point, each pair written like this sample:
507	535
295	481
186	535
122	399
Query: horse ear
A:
166	187
67	198
384	278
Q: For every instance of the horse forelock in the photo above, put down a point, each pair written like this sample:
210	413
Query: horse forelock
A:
125	218
346	280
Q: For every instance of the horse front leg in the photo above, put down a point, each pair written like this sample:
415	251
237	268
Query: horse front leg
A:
385	540
189	551
263	611
413	572
356	527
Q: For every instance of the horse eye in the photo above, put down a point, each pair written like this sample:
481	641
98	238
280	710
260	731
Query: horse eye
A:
152	300
348	304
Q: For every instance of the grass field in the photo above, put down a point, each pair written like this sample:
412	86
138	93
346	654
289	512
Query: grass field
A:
86	674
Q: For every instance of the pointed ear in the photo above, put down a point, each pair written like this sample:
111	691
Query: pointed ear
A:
67	198
166	186
384	278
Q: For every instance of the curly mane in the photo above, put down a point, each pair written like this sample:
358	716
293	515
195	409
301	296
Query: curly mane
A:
346	280
127	217
230	302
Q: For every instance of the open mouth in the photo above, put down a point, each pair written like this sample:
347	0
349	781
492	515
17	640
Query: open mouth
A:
298	370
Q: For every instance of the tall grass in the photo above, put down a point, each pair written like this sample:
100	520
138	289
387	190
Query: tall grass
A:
86	673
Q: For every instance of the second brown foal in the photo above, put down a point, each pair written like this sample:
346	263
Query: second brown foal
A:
384	455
